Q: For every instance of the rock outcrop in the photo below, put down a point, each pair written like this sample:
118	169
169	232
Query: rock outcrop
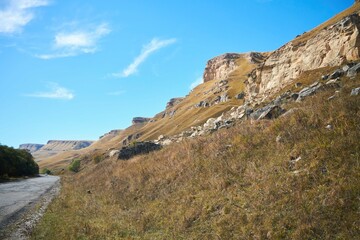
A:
272	110
331	46
31	147
222	66
140	120
137	148
111	133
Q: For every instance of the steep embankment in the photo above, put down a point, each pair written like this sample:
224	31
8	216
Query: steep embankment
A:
289	178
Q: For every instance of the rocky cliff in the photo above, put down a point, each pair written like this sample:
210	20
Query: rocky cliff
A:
31	147
222	66
327	47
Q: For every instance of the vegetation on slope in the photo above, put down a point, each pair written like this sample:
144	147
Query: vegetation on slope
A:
16	163
296	177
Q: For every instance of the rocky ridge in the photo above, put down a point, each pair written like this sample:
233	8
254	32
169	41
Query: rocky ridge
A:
31	147
271	110
332	46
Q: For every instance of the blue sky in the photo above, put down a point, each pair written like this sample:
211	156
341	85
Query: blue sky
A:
75	69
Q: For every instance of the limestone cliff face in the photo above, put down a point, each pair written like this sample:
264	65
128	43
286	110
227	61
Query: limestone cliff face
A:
220	67
331	46
31	147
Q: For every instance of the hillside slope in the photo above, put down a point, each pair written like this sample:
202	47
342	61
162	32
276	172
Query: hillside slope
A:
255	154
295	177
251	79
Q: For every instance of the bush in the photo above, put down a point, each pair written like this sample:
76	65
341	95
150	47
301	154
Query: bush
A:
97	159
16	162
75	165
46	171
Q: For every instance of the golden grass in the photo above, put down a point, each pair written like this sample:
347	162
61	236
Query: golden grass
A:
306	36
238	183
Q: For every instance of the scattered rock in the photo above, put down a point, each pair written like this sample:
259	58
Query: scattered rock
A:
113	153
298	84
353	71
329	127
137	148
333	81
336	74
240	95
325	77
308	90
267	112
355	91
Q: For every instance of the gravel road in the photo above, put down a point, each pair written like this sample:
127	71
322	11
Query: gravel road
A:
17	204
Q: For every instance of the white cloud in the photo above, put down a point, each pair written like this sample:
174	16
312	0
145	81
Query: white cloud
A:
56	92
196	82
147	50
17	14
68	44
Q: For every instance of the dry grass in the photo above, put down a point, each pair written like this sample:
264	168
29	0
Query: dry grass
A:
306	36
235	184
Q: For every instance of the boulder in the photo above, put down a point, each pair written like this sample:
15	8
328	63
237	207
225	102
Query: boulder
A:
267	112
309	90
113	153
240	95
353	71
136	149
355	91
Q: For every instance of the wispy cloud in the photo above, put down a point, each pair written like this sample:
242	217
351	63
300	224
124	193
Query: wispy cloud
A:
55	92
198	81
147	50
17	14
69	44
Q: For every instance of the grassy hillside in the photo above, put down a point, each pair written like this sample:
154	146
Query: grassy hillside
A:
306	36
186	116
289	178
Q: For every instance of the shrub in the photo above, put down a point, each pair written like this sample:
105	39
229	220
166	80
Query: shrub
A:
75	165
97	159
46	171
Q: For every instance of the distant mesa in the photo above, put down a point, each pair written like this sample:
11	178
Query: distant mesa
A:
53	147
140	120
64	145
31	147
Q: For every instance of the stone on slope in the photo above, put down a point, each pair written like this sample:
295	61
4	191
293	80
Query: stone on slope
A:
353	71
355	91
137	148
